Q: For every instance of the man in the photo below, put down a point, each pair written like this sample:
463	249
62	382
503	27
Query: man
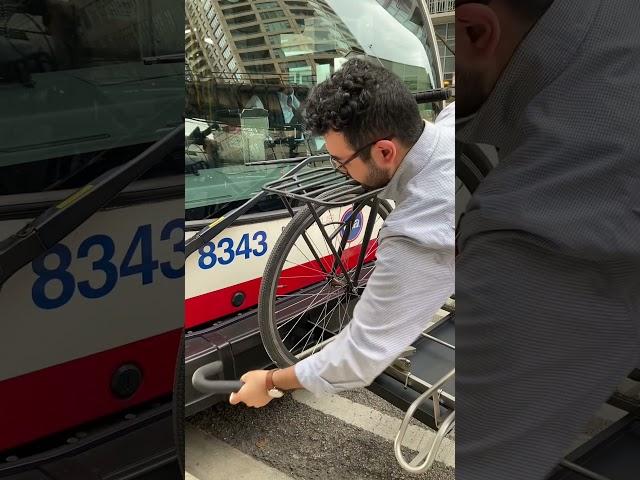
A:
374	133
548	271
289	104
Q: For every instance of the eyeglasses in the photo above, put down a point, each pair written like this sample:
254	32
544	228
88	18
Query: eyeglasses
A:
340	166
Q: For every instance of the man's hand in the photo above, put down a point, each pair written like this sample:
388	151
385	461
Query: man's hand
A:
254	391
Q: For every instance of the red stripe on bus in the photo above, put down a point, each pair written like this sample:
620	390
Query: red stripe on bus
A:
55	399
217	304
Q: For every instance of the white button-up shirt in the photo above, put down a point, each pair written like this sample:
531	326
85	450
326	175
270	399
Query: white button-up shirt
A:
414	271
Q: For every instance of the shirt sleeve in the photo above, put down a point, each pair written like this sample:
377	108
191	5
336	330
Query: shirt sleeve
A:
408	286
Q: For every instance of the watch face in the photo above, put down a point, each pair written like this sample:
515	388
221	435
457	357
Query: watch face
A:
275	393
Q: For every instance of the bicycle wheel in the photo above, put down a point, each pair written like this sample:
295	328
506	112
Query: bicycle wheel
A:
307	295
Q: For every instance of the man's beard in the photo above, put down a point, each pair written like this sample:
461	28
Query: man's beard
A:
470	94
376	178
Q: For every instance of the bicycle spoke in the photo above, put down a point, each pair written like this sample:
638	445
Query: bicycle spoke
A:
301	301
324	309
323	328
303	254
317	324
307	267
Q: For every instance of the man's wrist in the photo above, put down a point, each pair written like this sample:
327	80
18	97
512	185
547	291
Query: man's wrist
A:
272	390
274	381
283	379
269	380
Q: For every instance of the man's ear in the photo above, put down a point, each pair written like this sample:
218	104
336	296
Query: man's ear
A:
477	31
385	151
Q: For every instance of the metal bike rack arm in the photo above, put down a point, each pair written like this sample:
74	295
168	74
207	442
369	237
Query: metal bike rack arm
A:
217	226
203	380
428	455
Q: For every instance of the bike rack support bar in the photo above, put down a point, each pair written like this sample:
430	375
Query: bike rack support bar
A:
335	189
428	455
323	187
437	340
586	473
215	228
293	180
202	382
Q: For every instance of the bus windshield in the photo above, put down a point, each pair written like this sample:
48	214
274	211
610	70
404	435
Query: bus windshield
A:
85	85
250	66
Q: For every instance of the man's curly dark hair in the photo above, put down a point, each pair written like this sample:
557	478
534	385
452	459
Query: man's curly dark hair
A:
365	102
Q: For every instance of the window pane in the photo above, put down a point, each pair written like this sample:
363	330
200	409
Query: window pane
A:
258	55
256	113
266	5
237	32
69	76
277	26
272	14
250	42
242	19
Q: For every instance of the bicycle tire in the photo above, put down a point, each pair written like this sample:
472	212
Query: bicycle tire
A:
271	340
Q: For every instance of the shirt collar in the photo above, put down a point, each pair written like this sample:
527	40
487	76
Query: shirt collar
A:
413	162
541	57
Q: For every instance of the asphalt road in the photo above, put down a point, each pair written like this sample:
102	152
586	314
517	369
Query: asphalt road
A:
347	436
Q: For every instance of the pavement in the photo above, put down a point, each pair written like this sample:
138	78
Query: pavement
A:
343	437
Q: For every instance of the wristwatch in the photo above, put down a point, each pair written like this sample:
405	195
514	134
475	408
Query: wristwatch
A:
272	391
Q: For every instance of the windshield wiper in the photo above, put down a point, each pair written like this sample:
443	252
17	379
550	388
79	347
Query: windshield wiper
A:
57	222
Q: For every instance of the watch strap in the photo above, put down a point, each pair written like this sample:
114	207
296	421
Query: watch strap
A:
270	385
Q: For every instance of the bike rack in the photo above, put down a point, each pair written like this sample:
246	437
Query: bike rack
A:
428	455
323	186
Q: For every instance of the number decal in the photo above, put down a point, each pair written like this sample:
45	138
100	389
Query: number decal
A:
49	280
228	250
165	267
46	275
142	238
103	264
207	254
224	254
262	242
243	247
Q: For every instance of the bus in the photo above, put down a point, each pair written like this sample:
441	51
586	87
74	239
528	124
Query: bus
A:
250	67
91	249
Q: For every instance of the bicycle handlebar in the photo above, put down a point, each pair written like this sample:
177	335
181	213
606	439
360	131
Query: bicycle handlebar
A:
203	384
433	95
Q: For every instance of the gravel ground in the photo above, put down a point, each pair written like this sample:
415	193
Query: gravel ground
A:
307	444
371	400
